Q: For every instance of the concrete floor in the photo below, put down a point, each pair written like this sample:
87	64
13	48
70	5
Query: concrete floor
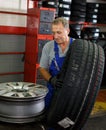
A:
97	119
96	123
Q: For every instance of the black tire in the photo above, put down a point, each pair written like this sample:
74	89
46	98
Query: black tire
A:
73	32
81	74
78	19
78	13
78	7
80	2
102	43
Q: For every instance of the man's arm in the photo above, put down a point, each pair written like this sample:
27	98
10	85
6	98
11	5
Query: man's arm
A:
46	75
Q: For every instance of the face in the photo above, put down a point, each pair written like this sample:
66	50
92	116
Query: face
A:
60	33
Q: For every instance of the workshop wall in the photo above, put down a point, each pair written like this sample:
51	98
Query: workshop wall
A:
14	6
12	45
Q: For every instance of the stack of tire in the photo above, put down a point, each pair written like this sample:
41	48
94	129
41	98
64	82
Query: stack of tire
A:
78	14
77	28
78	11
64	9
50	4
96	13
90	33
81	75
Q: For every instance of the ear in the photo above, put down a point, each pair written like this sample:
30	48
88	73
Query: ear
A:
68	30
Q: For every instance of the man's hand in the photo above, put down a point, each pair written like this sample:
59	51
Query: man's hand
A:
55	82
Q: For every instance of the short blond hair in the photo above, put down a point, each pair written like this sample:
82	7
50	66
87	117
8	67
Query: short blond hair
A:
62	20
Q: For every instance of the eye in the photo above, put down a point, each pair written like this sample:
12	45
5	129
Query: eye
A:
59	32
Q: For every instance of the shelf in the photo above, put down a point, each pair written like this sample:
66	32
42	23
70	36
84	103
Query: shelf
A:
12	30
87	23
14	13
93	24
11	73
44	37
11	53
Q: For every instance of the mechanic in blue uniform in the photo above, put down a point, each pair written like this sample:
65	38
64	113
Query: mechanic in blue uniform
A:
53	55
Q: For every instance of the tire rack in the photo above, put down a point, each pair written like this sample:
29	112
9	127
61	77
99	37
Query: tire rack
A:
38	28
11	30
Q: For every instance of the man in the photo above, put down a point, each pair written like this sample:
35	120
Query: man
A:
53	55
